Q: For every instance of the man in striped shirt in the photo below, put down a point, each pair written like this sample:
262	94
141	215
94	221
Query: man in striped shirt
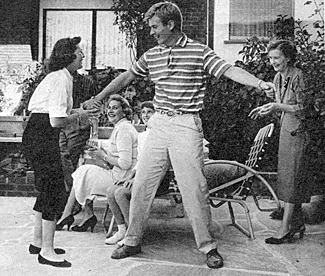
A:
178	66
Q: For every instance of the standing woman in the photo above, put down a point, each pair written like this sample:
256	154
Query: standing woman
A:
291	187
51	110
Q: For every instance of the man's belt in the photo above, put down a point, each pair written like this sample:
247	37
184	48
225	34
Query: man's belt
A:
174	112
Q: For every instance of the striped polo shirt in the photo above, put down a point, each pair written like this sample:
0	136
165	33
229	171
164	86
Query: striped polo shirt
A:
180	73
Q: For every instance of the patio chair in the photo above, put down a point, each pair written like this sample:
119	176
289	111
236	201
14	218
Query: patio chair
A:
231	182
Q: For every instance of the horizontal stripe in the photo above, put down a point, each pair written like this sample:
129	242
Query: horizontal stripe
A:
180	73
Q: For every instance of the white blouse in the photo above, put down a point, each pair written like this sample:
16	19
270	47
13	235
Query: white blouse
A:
53	95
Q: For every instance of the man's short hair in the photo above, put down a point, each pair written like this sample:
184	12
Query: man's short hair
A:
166	11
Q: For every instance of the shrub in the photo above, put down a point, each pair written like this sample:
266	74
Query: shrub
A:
227	104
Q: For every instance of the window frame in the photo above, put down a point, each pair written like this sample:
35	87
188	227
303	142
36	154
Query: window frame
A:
93	31
244	39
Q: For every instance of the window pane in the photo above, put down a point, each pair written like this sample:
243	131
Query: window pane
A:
256	17
61	24
111	49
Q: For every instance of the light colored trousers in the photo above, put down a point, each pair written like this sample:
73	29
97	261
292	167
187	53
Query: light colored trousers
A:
177	141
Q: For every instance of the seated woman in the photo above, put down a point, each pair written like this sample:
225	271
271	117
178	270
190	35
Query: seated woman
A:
119	195
118	156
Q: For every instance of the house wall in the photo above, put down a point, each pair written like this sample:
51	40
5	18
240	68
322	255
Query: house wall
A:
229	51
19	26
194	15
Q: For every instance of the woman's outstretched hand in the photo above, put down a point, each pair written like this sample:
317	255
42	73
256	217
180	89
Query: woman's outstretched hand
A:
254	114
262	110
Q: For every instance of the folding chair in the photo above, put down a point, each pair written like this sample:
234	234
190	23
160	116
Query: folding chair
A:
238	184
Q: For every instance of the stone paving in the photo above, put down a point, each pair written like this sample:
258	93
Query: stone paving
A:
168	246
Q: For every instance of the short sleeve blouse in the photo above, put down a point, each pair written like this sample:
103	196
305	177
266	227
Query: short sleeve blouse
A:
53	95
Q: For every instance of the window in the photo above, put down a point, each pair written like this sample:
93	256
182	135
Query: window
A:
60	24
256	17
111	46
94	27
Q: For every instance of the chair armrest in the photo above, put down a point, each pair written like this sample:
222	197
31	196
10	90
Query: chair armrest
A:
249	173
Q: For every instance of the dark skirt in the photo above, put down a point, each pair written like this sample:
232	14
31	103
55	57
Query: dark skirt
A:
41	148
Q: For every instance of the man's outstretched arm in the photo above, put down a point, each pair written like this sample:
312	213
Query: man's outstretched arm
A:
113	87
239	75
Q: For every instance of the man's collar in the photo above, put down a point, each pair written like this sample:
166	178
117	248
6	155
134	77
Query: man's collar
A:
180	42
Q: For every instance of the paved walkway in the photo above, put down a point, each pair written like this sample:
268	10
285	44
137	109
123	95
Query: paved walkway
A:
168	248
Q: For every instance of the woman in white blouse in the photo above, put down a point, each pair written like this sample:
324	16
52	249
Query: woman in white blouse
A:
51	110
115	158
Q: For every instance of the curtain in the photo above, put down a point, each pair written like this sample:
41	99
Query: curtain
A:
61	24
256	17
111	48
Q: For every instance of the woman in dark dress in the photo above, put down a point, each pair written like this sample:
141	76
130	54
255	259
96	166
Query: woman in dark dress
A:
288	96
51	110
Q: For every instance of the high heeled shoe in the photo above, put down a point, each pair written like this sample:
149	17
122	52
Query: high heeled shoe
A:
66	221
286	238
91	222
301	230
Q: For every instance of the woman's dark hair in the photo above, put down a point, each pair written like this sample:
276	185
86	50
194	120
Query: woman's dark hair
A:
287	48
127	110
147	104
63	53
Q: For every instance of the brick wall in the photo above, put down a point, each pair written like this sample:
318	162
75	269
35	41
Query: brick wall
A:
194	24
18	185
14	179
19	23
195	19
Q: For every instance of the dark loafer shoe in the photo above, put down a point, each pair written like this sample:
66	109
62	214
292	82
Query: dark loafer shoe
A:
44	261
126	251
214	259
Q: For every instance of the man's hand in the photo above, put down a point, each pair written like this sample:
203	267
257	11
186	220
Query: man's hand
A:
269	88
91	103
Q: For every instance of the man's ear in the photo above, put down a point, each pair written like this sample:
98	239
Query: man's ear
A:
171	25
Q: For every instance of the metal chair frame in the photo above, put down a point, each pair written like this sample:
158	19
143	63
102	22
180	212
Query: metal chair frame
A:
243	184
